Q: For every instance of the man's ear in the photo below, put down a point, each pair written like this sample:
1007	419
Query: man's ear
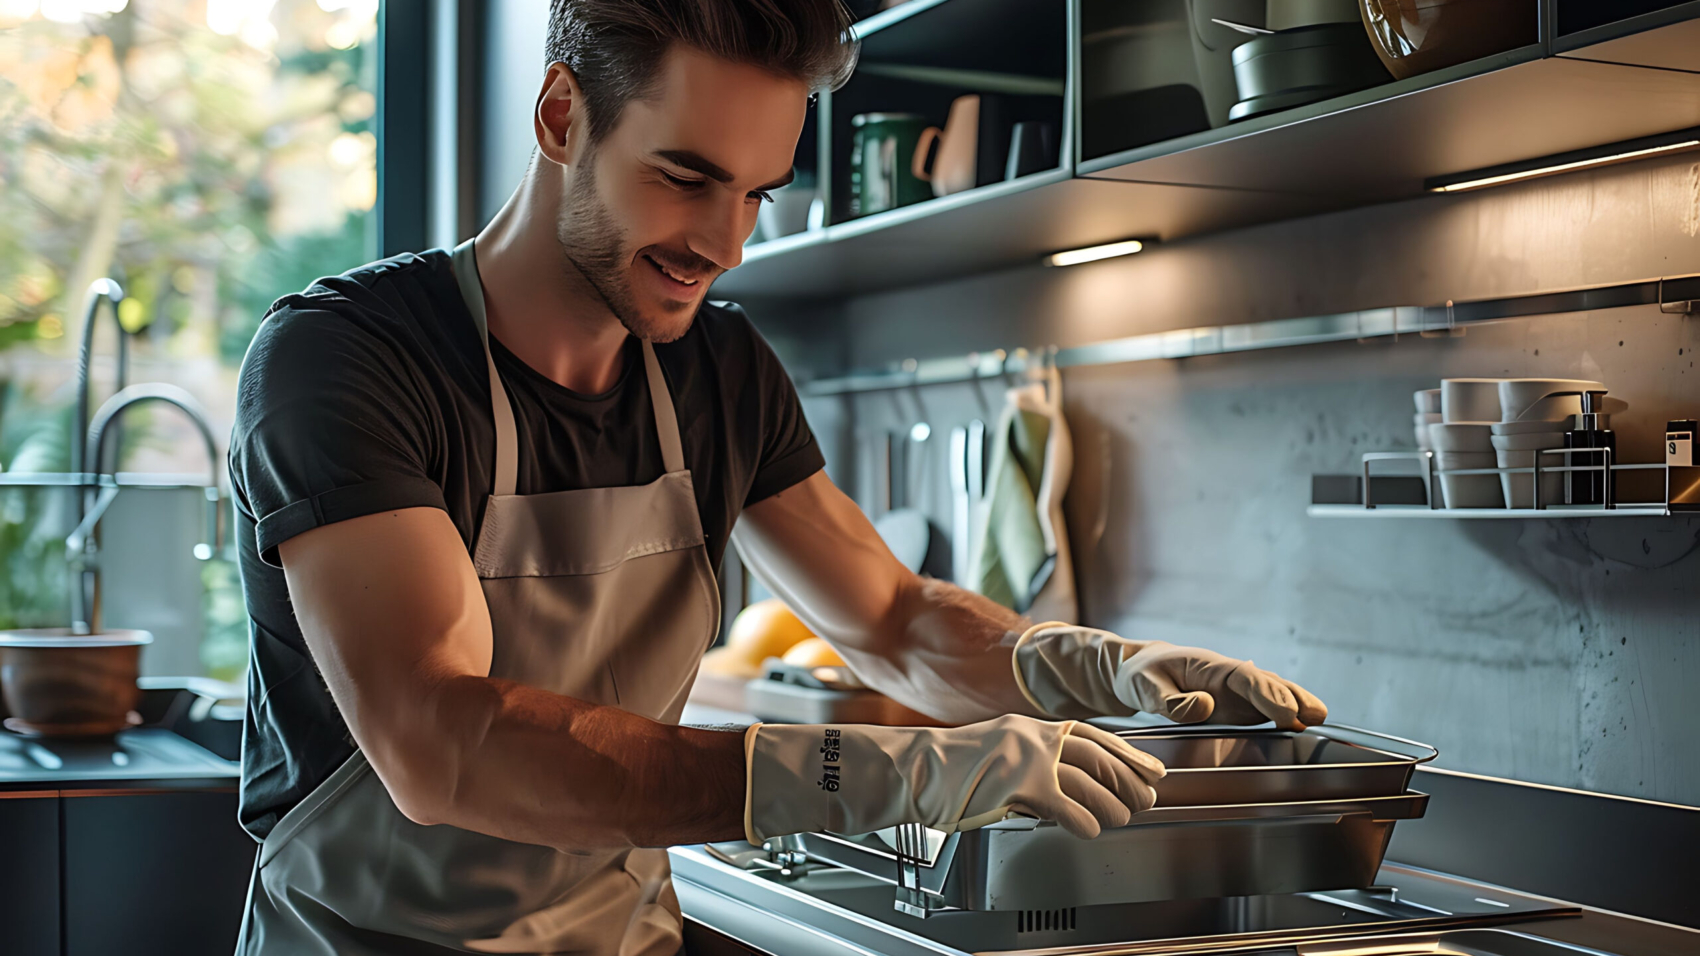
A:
559	120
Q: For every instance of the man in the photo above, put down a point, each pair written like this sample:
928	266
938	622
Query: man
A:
482	498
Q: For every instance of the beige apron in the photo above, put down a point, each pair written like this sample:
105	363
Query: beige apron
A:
603	594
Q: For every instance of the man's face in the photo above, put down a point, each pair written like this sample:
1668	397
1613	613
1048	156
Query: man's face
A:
662	205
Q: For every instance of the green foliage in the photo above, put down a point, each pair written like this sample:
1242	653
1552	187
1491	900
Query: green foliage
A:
34	577
209	172
282	267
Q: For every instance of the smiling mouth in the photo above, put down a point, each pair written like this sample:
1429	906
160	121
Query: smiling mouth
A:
670	273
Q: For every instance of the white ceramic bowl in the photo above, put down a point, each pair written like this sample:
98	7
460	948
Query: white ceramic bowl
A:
1529	442
1517	394
1426	418
1519	490
1469	491
1461	436
1559	408
1469	400
1428	400
1530	428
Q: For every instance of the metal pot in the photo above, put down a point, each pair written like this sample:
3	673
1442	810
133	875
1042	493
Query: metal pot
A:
1302	65
61	684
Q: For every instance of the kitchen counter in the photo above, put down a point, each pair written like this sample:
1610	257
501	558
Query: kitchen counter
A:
128	843
143	759
1609	854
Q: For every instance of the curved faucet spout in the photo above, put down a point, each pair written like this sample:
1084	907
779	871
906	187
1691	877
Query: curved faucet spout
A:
151	392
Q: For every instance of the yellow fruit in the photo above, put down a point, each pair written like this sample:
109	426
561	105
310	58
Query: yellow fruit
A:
766	629
727	662
813	652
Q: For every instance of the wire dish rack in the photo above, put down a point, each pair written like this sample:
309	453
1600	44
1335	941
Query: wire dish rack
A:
1430	473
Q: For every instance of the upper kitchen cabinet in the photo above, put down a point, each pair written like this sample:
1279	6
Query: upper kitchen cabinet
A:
953	103
1174	118
1655	33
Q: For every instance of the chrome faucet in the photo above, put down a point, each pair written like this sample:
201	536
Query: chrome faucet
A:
81	547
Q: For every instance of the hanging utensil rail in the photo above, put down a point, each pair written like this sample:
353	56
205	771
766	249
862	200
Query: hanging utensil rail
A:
1673	295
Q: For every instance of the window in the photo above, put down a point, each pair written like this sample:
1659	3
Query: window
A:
210	156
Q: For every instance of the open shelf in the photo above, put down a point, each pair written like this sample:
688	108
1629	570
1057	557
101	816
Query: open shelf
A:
993	227
1376	145
1424	511
1383	143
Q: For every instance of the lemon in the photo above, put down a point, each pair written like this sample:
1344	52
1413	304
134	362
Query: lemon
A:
766	629
813	652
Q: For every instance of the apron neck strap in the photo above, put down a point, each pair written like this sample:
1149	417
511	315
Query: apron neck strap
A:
507	435
666	419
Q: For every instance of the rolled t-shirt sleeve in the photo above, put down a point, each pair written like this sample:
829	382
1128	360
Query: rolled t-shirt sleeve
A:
329	426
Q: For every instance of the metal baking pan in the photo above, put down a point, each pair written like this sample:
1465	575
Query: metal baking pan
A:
1213	766
1166	853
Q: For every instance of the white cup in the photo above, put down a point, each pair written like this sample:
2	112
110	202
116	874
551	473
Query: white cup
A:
1461	437
1469	400
1519	490
1516	395
1469	491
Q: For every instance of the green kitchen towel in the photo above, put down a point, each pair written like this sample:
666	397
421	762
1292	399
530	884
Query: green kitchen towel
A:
1020	553
1012	550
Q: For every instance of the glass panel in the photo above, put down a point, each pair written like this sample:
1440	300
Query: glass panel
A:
211	156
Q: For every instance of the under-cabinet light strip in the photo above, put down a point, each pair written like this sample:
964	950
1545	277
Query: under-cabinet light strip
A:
1075	257
1566	167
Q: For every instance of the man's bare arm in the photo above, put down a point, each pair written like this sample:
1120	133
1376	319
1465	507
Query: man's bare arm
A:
396	621
931	645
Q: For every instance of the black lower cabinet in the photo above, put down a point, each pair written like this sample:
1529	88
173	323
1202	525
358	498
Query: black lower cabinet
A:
154	873
29	875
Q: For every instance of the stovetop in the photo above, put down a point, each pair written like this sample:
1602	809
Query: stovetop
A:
148	756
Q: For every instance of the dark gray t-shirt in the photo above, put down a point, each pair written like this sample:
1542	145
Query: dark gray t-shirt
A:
369	392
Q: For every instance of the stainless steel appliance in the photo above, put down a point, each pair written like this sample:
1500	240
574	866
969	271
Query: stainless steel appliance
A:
1240	813
796	907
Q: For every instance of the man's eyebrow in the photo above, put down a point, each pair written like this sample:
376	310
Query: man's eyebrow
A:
697	164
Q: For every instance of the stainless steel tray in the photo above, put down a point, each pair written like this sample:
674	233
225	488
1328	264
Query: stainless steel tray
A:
1166	853
1211	765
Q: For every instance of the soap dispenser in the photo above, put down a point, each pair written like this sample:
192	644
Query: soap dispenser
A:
1590	429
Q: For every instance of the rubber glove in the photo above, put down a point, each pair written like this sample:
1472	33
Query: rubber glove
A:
1071	671
854	778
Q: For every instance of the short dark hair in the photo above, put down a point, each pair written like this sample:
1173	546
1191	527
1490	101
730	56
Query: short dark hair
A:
614	47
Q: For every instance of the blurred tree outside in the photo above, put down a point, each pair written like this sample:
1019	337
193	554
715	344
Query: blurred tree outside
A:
209	155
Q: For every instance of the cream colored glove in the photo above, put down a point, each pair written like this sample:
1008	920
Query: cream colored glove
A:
856	778
1070	671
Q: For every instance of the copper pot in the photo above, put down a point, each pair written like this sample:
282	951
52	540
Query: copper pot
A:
57	683
1416	36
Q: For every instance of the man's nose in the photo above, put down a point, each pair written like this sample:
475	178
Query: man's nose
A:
720	235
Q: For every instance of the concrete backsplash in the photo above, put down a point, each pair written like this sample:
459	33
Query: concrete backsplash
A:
1555	651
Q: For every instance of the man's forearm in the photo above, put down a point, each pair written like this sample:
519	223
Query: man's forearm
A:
946	653
523	764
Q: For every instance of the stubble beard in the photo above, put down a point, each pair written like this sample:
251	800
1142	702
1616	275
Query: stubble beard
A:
594	244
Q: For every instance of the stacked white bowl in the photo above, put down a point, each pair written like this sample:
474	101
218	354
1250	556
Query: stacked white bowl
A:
1534	415
1462	440
1428	412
